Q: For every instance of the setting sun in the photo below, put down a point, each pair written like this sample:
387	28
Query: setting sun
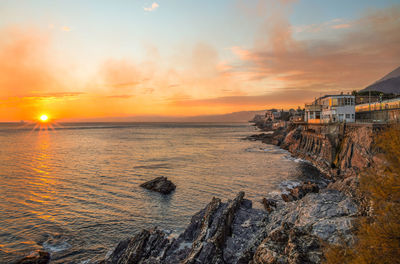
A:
44	118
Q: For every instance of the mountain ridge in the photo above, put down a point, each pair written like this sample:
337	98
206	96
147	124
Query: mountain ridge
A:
390	83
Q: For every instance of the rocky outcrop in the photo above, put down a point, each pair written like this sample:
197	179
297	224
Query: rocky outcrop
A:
288	244
300	191
338	150
217	234
269	204
145	247
36	257
276	137
234	232
160	184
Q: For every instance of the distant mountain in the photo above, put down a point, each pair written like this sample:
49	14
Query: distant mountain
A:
242	116
393	74
390	83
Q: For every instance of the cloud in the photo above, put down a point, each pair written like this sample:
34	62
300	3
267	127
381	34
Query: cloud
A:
348	60
336	23
153	7
66	29
122	96
55	95
120	75
339	26
24	63
286	97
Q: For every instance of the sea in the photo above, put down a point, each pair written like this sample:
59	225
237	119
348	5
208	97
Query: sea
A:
73	189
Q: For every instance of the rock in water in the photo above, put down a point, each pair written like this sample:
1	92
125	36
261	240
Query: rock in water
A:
160	184
36	257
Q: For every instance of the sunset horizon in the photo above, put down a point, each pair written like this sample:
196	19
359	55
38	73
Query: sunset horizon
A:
73	60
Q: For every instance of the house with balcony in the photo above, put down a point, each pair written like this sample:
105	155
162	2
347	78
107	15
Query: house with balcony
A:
313	113
331	109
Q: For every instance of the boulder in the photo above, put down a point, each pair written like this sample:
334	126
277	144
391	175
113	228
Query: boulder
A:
160	184
36	257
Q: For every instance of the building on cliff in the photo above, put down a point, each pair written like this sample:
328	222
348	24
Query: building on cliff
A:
331	109
382	111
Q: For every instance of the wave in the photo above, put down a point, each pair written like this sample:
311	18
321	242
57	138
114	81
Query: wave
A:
55	244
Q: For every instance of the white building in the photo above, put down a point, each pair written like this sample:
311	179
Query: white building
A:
331	109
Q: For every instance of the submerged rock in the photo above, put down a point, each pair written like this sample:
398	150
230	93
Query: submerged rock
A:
36	257
160	184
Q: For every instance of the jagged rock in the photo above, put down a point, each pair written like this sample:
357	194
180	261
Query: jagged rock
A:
220	233
147	245
300	191
288	245
286	197
36	257
330	213
276	137
262	136
269	204
160	184
234	232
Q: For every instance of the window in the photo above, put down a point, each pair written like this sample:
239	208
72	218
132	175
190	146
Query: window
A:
347	115
352	116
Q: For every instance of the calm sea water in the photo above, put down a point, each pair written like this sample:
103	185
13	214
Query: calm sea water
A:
75	191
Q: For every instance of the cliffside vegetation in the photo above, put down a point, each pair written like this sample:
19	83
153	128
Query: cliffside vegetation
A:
378	234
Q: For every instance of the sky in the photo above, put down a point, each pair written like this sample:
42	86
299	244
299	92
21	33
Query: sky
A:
75	60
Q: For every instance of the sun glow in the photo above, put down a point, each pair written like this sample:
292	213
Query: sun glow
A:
44	118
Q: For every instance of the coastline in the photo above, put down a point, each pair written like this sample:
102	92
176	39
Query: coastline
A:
289	230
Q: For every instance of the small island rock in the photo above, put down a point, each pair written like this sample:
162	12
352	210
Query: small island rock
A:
160	184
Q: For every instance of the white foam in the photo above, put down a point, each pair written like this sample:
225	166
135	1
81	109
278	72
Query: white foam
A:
56	247
297	160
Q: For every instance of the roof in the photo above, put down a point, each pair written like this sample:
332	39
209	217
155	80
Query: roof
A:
336	95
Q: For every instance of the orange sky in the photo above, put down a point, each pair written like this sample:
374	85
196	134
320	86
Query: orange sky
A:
70	73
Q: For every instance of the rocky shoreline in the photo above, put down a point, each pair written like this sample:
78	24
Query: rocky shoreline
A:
294	227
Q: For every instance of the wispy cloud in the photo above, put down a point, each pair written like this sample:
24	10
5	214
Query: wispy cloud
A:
336	23
153	7
66	28
339	26
348	61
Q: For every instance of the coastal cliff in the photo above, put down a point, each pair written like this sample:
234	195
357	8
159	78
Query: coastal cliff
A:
341	150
